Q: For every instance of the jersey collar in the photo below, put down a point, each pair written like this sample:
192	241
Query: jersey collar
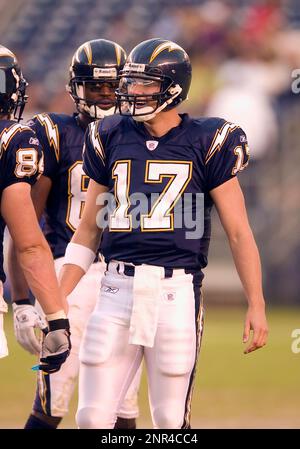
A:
173	132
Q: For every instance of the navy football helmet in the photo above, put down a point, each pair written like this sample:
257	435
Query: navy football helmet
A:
156	77
95	62
12	85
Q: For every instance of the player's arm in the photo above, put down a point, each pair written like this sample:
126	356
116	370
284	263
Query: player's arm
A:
26	316
22	166
32	250
228	154
36	261
42	127
230	204
85	241
19	287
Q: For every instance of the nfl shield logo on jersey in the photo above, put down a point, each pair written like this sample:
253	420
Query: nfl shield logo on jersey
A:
151	144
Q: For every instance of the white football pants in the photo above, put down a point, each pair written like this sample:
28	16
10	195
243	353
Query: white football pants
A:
108	363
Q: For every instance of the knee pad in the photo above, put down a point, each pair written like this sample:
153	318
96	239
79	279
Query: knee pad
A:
176	351
94	418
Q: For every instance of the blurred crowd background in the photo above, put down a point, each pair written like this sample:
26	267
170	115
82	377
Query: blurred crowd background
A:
243	55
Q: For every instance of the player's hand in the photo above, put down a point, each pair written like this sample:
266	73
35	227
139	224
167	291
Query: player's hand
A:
26	320
256	322
56	346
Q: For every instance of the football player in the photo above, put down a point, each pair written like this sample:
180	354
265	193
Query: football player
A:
156	254
60	194
20	166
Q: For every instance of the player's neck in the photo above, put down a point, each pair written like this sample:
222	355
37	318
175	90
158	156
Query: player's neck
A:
163	122
84	120
4	117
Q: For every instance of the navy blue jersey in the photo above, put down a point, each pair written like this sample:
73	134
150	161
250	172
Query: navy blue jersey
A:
20	161
186	163
62	139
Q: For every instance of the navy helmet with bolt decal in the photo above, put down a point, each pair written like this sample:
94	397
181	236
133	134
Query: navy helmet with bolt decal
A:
95	63
156	77
12	85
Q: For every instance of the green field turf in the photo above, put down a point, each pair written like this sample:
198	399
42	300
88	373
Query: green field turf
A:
232	390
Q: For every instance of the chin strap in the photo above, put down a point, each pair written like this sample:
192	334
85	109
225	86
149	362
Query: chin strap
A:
92	111
96	112
148	113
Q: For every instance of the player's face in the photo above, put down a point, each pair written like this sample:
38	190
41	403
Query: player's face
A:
143	88
101	93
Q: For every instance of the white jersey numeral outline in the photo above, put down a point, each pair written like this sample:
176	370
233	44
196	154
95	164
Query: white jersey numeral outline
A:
27	162
120	220
160	218
77	188
240	164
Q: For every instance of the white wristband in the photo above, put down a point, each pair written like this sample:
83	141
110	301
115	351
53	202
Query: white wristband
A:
79	255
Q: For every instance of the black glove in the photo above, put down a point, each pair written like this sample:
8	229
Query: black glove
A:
56	346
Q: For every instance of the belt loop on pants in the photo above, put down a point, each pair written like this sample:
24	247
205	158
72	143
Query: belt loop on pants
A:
129	270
